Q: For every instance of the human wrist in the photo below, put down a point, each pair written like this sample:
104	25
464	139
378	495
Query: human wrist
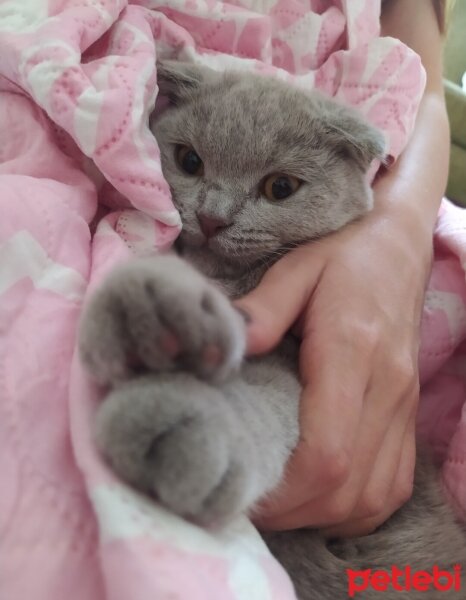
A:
401	231
412	189
415	218
408	226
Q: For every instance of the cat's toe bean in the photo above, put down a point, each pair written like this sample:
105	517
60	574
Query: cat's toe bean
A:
170	344
212	356
209	332
160	315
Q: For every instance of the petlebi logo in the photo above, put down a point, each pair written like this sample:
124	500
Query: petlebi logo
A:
403	580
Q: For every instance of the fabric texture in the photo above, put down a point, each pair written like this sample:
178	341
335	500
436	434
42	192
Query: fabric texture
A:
81	190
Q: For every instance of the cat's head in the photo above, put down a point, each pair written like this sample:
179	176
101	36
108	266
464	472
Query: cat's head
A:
256	165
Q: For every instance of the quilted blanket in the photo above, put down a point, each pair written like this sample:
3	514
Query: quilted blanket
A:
81	189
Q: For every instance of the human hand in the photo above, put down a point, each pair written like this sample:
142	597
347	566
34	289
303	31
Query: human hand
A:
358	295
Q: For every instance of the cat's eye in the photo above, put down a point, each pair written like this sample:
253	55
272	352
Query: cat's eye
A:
278	186
189	160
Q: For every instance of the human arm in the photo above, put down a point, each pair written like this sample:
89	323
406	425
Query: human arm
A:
359	296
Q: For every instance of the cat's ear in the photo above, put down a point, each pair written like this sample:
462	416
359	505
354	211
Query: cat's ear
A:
180	80
351	136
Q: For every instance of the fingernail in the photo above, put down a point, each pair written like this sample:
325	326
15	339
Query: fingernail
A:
246	316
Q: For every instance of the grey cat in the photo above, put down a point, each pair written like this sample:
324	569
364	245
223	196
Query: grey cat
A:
256	167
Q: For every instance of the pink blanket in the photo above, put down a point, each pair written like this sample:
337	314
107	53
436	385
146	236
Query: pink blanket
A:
81	189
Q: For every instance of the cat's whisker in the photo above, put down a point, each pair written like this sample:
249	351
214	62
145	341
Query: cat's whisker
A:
256	169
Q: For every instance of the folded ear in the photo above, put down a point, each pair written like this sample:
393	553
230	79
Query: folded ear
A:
352	136
180	80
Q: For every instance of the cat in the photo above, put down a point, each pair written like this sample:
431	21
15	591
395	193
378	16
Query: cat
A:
256	167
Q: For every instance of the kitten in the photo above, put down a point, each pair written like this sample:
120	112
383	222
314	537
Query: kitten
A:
255	167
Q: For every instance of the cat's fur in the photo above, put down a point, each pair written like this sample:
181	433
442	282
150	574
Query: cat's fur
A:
187	420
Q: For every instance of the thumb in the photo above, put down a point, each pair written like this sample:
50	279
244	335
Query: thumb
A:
275	304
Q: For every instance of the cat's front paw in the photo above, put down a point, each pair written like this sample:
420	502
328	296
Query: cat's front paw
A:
160	315
174	437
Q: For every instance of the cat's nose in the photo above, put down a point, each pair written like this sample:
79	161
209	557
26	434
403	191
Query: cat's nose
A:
210	225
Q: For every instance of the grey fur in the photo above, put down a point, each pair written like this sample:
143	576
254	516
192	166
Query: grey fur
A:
245	127
187	420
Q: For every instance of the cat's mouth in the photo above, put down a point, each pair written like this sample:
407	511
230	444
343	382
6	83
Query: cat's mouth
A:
225	245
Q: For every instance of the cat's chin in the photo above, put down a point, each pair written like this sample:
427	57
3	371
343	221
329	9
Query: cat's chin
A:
191	239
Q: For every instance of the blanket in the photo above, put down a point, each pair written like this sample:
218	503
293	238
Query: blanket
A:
81	189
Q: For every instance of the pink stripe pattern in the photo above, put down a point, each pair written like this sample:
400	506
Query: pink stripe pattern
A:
81	189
